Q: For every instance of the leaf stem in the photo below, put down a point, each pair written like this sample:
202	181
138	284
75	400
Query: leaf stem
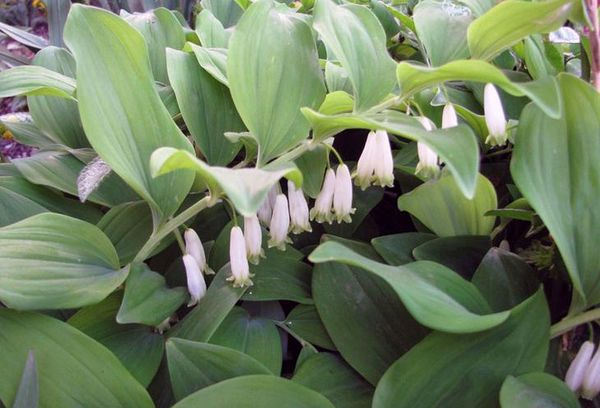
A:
569	323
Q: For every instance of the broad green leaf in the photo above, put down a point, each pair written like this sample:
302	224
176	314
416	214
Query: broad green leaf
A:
51	261
504	279
211	32
140	349
479	7
147	299
356	38
456	146
441	206
510	21
337	79
194	365
555	167
204	319
364	202
330	376
213	60
60	170
73	370
24	37
304	320
160	30
543	92
397	249
34	80
228	12
247	188
442	29
206	106
468	370
57	117
28	392
122	114
273	70
435	296
536	390
312	165
24	131
253	391
256	336
58	10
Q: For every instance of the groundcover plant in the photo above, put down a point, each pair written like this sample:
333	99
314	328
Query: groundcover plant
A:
304	204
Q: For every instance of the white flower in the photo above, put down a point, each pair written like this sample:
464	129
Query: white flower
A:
449	118
591	378
342	195
428	160
265	212
253	236
384	161
193	246
280	223
494	116
564	35
321	212
578	367
240	270
195	279
298	209
366	163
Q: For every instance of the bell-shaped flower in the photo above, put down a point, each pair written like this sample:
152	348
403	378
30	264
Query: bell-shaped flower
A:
591	379
321	212
579	365
494	116
342	195
366	163
280	223
298	209
265	212
193	246
195	279
238	262
253	237
449	118
384	161
427	166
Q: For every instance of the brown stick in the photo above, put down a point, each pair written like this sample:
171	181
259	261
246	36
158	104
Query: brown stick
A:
594	36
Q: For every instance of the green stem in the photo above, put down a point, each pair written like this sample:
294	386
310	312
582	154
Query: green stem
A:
299	339
570	323
179	240
165	229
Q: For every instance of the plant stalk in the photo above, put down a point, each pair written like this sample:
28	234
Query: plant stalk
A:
570	323
594	37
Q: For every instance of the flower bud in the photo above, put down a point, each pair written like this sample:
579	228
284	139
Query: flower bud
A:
195	279
253	237
280	224
578	367
449	118
384	161
298	209
342	195
265	212
240	270
321	212
494	116
427	166
591	378
193	246
366	163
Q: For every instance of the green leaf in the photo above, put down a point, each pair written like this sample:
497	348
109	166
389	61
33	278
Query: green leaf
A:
468	370
253	391
355	37
247	188
58	118
441	206
24	130
147	299
122	114
138	348
536	390
51	261
213	61
312	165
555	167
58	10
206	106
28	394
74	371
304	320
330	376
194	365
434	295
273	70
510	21
210	30
23	37
456	146
228	12
256	336
364	202
34	80
543	92
397	249
442	28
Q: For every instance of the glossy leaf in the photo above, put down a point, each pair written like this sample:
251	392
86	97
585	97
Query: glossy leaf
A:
270	44
441	206
304	320
115	88
75	370
52	261
536	390
397	249
34	80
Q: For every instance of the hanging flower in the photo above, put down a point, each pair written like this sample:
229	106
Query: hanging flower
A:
591	379
494	116
195	279
240	270
384	161
193	246
342	195
265	212
578	367
321	212
449	118
366	163
298	209
428	160
253	237
280	224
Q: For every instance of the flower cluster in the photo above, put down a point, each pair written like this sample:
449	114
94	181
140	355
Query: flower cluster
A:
195	264
335	198
376	163
583	375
